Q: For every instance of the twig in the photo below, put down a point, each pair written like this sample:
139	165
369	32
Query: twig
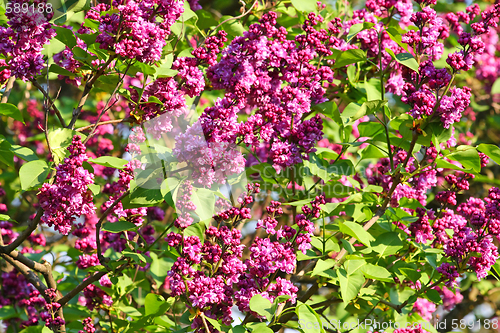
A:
115	121
86	91
106	108
8	89
52	105
98	226
23	235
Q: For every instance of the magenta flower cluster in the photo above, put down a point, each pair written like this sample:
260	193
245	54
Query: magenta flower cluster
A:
68	196
139	29
211	276
22	41
253	71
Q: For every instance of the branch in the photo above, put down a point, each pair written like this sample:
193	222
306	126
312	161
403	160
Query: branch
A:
107	106
8	89
115	121
86	91
23	235
382	209
98	226
94	277
28	274
52	105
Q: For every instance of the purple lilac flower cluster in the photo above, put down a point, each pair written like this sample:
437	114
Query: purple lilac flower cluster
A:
22	41
470	245
16	290
210	161
253	71
211	276
69	195
139	29
415	188
169	104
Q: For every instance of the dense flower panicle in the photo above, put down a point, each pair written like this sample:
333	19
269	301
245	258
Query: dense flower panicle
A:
69	196
17	291
212	275
140	29
210	161
22	42
421	229
159	118
207	54
253	71
450	298
192	79
424	308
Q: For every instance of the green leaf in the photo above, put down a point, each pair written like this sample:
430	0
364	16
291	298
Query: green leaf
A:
95	189
370	129
396	36
33	174
129	310
60	139
137	257
468	157
258	328
336	190
261	305
153	304
349	57
188	13
410	273
6	155
196	229
354	111
233	28
109	161
67	9
165	69
405	59
491	151
377	272
11	111
433	295
354	266
350	285
307	6
387	244
119	226
322	265
329	109
143	197
495	88
355	230
24	153
204	200
354	29
214	323
61	71
205	19
307	314
7	312
66	36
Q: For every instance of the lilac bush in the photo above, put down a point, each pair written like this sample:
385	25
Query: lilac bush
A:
300	166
